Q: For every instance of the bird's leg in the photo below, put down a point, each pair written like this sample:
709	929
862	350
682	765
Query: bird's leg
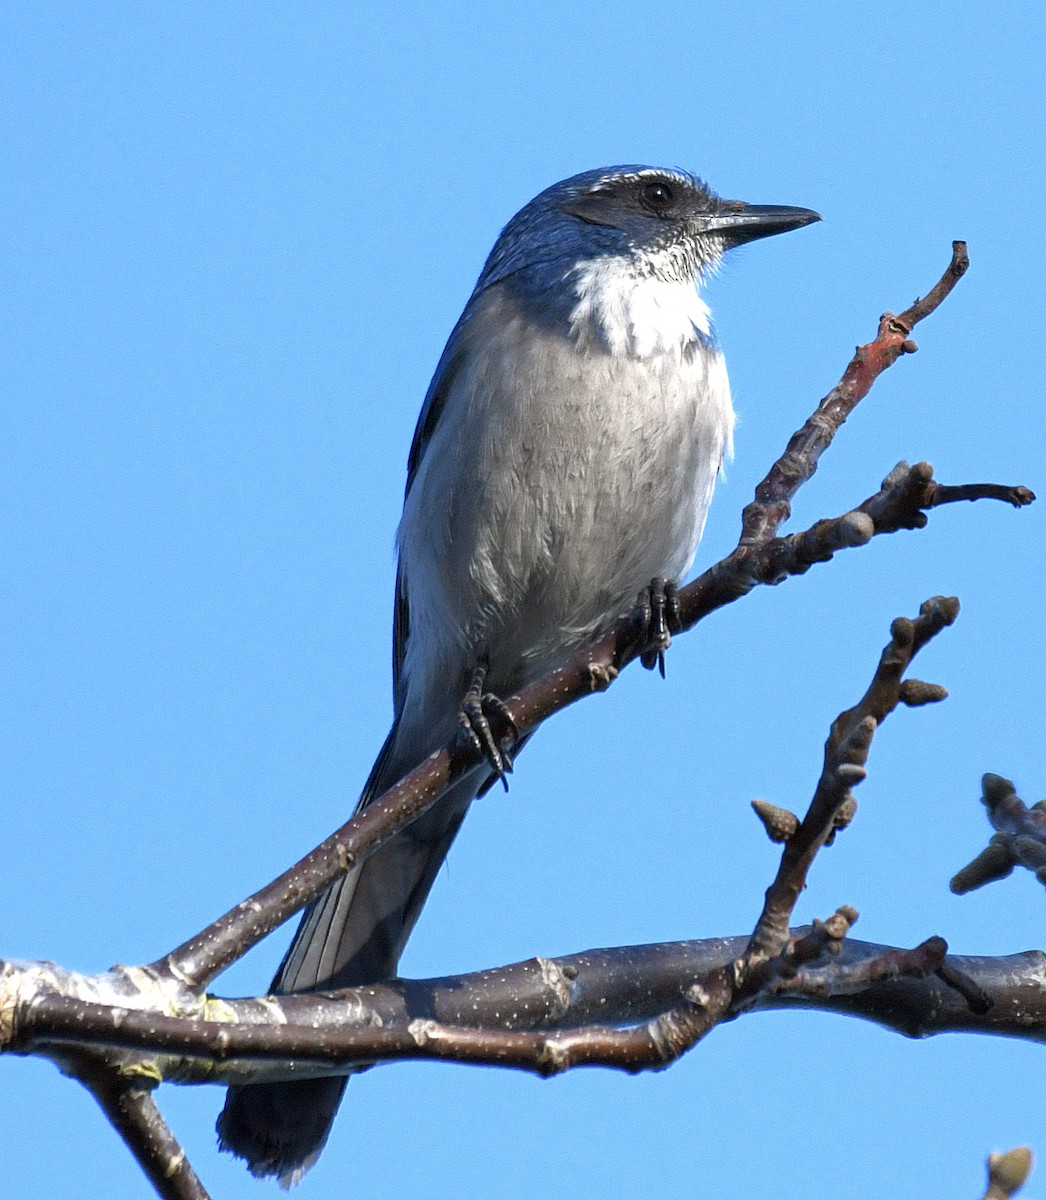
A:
477	708
657	611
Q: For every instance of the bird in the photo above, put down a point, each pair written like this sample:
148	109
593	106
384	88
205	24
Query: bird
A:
565	457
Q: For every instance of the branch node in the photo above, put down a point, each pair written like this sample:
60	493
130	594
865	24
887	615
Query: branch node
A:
854	750
856	529
697	997
839	924
845	811
422	1031
902	630
943	610
1030	851
600	676
553	1059
850	773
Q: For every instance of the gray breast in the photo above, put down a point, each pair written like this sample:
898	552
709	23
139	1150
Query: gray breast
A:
561	477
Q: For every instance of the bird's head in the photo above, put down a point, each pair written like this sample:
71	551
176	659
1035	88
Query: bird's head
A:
668	222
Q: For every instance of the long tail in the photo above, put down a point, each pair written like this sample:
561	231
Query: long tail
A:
353	934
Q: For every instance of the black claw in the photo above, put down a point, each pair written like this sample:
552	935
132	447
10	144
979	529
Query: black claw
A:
657	610
477	709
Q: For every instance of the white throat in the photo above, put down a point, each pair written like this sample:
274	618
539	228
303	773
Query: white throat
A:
635	313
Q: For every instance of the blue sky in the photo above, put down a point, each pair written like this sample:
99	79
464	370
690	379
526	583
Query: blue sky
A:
234	239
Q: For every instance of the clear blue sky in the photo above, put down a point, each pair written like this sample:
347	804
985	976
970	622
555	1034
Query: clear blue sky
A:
234	239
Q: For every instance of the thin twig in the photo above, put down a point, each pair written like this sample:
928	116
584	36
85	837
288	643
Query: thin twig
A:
771	507
845	755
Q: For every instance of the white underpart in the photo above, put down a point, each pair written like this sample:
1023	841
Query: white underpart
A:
637	312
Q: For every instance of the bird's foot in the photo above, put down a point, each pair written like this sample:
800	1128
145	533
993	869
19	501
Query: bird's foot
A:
477	710
657	612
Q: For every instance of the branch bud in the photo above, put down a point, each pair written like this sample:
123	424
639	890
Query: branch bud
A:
995	861
779	823
995	789
1008	1172
915	692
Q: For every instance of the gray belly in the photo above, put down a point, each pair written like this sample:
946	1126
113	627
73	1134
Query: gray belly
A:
557	484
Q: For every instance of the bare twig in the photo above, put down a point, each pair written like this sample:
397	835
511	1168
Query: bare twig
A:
772	504
846	752
857	977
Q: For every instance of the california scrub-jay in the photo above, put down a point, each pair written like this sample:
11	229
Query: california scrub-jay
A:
565	456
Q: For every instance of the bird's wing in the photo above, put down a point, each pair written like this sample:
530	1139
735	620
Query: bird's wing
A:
447	370
436	397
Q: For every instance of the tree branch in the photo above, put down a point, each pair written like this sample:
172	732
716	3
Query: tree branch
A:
295	1031
125	1030
771	507
846	753
760	558
240	1040
132	1112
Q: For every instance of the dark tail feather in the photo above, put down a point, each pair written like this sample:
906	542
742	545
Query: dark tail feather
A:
280	1128
353	934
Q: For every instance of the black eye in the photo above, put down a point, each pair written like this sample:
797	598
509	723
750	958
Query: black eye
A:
657	197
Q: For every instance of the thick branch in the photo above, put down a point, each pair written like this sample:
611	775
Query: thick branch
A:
773	963
244	1039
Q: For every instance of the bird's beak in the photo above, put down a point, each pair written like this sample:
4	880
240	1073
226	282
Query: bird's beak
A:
747	222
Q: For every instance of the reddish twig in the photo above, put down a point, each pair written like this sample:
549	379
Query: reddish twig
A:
771	507
854	978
